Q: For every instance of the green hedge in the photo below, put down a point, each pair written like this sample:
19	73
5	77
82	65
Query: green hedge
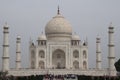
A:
40	77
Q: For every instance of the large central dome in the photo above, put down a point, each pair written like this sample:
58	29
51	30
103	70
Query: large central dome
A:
58	27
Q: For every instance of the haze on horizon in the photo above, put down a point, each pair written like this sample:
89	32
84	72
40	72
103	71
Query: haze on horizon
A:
89	18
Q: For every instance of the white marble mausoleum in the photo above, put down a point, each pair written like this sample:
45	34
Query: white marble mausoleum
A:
58	51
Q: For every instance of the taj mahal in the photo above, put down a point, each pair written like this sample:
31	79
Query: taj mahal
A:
58	51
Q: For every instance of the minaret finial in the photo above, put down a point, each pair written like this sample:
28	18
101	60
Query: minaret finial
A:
110	24
98	36
58	12
6	25
86	40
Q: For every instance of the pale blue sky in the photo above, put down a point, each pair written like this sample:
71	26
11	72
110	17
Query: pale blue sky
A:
88	18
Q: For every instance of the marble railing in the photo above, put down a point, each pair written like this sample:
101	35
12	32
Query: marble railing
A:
91	72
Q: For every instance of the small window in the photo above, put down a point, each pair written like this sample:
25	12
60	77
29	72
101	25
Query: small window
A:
41	65
32	65
41	42
85	65
84	54
76	65
41	54
76	54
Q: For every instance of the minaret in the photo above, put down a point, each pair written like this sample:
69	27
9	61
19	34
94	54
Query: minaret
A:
18	53
111	49
5	57
98	54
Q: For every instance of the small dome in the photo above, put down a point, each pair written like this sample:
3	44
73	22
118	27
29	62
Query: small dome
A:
18	37
58	25
75	37
42	37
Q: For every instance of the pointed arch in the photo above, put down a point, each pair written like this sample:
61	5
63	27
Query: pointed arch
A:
84	65
76	54
41	65
84	54
32	65
58	59
41	54
76	65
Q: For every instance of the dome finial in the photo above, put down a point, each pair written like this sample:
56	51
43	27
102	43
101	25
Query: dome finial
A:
58	12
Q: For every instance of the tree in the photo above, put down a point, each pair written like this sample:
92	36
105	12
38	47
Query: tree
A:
117	65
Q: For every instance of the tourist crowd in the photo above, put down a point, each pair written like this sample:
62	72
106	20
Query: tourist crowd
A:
59	77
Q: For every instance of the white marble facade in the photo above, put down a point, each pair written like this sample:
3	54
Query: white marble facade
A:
58	48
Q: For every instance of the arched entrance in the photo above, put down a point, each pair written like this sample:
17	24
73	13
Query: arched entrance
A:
84	65
58	59
41	65
76	65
